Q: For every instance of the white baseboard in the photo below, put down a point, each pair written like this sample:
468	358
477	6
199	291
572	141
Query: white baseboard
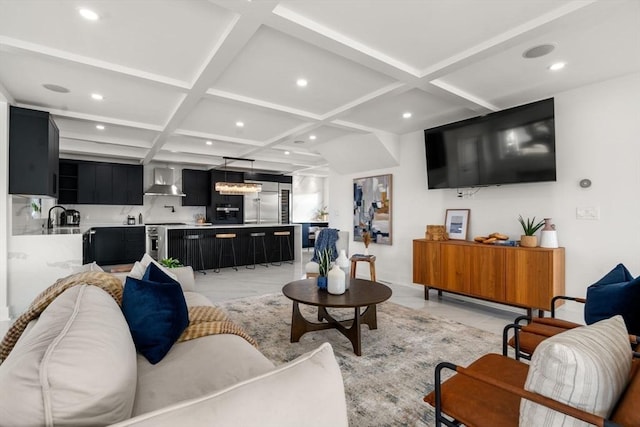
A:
4	314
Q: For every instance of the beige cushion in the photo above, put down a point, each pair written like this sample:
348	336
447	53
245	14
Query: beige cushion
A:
139	267
88	267
305	392
586	367
196	299
76	366
196	368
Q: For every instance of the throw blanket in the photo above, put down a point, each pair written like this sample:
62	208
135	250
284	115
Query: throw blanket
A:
203	320
326	239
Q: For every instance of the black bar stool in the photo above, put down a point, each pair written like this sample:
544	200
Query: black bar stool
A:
220	242
280	236
193	242
253	245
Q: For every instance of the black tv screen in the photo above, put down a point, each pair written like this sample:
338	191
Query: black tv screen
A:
506	147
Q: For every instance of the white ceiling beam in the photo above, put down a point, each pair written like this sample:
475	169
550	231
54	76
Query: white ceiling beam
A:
234	38
216	93
34	49
216	137
94	118
104	139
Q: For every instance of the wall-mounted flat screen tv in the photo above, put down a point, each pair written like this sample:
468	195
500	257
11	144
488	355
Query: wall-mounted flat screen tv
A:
506	147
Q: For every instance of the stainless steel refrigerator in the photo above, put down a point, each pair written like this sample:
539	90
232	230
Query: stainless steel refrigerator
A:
271	206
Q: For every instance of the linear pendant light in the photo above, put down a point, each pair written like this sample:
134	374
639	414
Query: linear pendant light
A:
236	188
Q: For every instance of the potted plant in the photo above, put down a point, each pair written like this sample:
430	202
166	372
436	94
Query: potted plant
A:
324	264
171	262
529	226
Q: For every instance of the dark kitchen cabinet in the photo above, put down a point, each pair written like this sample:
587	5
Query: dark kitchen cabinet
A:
94	183
196	184
99	183
127	185
33	153
114	245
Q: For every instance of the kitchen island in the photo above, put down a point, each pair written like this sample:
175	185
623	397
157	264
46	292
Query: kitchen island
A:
173	244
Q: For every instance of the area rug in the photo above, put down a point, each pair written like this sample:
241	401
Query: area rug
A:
384	386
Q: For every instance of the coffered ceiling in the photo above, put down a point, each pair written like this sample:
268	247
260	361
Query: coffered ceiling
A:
191	81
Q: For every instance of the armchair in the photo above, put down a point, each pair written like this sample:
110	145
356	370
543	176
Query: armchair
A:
586	373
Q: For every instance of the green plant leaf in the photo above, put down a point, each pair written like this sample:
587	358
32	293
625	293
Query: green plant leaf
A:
171	262
530	226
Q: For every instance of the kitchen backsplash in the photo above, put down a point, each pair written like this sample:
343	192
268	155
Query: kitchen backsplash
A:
29	215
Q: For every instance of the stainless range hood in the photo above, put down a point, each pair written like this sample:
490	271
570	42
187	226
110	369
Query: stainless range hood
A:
163	184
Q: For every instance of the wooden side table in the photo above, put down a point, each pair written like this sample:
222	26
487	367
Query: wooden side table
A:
371	259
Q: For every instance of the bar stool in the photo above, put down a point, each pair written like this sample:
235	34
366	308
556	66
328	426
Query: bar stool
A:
371	259
220	242
280	236
191	243
252	244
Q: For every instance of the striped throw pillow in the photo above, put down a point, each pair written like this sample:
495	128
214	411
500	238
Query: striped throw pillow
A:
586	367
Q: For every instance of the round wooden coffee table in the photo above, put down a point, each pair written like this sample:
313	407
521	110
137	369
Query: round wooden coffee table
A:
361	293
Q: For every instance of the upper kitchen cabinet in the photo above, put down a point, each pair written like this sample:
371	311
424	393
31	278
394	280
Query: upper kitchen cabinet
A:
127	185
196	184
99	183
33	153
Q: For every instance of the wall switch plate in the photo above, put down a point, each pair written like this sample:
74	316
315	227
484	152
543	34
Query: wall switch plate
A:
591	212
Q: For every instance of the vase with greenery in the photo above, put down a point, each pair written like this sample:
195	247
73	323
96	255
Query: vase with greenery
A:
322	213
324	265
529	226
366	239
171	262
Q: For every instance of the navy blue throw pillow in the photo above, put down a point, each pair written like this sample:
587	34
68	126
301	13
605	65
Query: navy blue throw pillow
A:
156	312
616	293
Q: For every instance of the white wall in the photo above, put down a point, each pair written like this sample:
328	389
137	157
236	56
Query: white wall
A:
597	137
4	209
309	195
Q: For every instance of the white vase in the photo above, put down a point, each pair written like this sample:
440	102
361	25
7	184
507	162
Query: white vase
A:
336	281
549	239
343	262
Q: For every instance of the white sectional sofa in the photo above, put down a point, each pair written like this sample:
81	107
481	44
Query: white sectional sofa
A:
76	365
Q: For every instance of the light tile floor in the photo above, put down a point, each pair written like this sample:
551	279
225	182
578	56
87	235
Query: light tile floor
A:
230	284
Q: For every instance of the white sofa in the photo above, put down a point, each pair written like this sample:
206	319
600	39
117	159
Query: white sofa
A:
76	365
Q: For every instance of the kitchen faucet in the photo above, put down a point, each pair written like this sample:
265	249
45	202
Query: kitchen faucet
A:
49	220
173	209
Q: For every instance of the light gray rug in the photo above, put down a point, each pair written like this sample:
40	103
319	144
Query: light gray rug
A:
384	386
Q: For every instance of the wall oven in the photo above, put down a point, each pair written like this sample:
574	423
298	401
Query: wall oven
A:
152	236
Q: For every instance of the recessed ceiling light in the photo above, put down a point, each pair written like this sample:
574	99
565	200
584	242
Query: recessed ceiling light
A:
209	143
97	96
286	153
538	51
55	88
89	14
406	115
557	66
240	124
312	137
100	127
302	82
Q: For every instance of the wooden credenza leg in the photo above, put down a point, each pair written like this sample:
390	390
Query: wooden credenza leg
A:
426	293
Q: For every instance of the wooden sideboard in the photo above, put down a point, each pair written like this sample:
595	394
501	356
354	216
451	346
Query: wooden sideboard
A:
517	276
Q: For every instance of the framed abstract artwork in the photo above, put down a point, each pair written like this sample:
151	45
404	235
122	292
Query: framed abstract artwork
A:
457	223
372	208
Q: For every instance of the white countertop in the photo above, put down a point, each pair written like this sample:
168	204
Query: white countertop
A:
206	226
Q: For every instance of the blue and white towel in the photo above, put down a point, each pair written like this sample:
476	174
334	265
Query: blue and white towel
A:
326	239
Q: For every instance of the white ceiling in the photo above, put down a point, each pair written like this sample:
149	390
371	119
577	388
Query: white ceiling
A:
178	73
